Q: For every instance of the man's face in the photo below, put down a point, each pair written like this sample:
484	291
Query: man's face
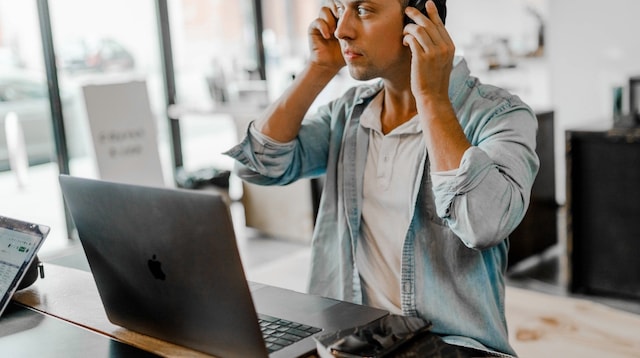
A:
370	34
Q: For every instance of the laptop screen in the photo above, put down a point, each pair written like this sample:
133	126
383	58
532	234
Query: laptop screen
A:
19	243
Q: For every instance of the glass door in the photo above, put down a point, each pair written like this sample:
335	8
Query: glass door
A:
217	72
94	42
28	168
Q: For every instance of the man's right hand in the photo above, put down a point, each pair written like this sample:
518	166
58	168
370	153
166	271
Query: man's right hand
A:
282	120
324	46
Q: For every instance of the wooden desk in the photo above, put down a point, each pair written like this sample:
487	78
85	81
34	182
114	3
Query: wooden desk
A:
28	333
540	325
72	295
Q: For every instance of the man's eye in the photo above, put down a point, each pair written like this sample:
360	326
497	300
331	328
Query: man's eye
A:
361	11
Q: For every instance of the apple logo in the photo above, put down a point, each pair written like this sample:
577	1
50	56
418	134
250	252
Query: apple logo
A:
155	266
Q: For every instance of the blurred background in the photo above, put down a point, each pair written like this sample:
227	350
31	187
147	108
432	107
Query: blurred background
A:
573	59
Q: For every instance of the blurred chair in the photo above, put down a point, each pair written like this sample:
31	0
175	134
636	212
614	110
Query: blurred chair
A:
284	212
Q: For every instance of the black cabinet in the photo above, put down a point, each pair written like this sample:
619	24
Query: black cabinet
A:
603	211
538	230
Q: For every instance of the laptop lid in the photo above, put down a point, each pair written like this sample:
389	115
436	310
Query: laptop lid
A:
19	243
166	264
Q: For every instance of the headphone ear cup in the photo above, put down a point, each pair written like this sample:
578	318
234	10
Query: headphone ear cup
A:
418	4
421	5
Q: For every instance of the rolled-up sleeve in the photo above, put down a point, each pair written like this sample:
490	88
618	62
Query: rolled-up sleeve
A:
260	159
487	197
264	161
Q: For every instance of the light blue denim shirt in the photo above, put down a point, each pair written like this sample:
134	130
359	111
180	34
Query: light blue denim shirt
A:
455	251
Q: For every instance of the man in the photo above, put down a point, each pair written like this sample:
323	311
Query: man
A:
426	172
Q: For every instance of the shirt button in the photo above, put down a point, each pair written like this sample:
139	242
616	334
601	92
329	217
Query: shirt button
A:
406	287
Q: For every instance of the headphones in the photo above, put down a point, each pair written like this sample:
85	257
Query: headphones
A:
421	5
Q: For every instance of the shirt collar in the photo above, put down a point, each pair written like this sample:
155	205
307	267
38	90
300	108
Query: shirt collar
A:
370	118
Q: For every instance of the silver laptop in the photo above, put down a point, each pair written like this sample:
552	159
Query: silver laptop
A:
166	264
19	243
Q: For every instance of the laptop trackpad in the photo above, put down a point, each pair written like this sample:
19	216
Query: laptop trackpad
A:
291	305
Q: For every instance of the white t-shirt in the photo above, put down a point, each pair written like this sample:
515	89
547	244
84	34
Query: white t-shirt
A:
393	161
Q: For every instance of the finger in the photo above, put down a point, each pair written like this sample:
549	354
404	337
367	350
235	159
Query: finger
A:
429	34
421	35
415	15
327	14
431	21
420	21
432	11
320	27
332	6
325	24
413	44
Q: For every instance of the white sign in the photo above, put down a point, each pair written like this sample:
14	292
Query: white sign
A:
124	133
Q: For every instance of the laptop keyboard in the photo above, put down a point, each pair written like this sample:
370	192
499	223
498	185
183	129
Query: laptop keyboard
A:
279	333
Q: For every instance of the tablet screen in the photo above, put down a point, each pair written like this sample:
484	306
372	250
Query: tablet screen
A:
19	243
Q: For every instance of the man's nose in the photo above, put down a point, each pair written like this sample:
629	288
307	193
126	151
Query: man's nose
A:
344	27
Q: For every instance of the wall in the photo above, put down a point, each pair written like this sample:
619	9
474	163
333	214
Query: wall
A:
468	19
592	47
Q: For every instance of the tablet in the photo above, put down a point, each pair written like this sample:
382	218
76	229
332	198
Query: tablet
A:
19	243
